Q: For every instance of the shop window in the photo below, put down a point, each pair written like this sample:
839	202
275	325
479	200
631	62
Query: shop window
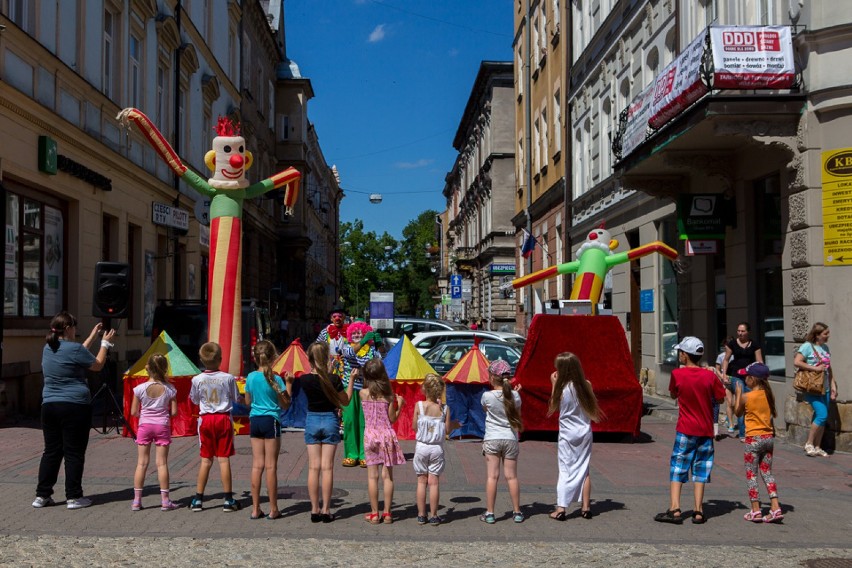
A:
34	267
668	308
768	241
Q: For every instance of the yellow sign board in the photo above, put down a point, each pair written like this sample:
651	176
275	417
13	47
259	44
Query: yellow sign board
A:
837	206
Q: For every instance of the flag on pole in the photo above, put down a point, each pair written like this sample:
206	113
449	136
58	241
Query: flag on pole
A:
529	245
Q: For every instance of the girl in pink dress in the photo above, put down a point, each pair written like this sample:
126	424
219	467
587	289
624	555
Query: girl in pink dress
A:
381	446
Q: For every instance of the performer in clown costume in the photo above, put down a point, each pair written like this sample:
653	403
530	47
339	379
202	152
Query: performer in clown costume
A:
595	258
335	335
359	349
228	188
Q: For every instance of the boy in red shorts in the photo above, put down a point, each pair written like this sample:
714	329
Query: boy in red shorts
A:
695	388
214	392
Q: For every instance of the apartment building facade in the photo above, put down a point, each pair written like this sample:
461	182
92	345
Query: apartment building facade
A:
478	192
756	157
180	62
540	46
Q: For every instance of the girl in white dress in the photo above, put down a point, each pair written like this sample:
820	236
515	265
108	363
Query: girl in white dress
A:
572	395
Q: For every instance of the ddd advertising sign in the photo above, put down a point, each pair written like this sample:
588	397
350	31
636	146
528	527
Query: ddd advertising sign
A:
752	57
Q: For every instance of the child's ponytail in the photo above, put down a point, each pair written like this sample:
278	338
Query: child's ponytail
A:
512	412
264	355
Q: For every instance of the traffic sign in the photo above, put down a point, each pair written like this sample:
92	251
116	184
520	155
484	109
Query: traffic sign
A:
456	280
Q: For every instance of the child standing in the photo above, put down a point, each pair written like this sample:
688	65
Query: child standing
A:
154	403
431	422
758	406
381	446
695	389
573	396
267	394
502	407
214	392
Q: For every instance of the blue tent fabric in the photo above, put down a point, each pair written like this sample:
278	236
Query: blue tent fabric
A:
295	416
392	359
464	401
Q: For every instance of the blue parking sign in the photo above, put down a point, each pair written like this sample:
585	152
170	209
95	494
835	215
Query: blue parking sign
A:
456	292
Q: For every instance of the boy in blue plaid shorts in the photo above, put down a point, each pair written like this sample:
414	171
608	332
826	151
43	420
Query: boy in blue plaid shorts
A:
695	388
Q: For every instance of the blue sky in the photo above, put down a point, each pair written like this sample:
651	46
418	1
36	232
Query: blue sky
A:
391	79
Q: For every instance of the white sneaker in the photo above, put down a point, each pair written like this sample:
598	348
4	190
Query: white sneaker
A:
43	502
79	503
809	449
819	452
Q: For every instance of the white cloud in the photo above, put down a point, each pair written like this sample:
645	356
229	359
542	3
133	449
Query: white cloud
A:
421	163
378	34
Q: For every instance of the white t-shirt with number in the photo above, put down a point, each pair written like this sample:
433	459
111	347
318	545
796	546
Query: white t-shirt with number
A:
213	392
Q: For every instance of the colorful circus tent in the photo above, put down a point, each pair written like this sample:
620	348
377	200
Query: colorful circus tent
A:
294	360
466	382
407	368
181	371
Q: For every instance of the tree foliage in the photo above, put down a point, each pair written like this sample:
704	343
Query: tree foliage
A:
370	263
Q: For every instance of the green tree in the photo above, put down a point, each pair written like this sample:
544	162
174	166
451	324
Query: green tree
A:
370	262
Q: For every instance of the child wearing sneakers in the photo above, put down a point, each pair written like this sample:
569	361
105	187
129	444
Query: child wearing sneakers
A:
214	392
502	406
431	422
695	389
154	402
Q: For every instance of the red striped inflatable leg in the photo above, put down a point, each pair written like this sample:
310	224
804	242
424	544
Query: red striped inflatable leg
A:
224	291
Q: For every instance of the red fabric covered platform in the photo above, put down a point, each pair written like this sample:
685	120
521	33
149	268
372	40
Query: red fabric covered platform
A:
601	345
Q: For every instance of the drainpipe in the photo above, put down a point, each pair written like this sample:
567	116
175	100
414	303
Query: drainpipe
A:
528	308
176	177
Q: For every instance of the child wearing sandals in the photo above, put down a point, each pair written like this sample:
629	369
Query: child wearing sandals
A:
267	394
758	406
502	407
154	403
431	422
573	397
695	388
381	446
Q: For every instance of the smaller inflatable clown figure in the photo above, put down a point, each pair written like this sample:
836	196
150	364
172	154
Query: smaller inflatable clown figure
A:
228	187
595	258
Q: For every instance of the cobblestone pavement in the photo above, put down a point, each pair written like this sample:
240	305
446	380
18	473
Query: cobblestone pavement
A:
630	485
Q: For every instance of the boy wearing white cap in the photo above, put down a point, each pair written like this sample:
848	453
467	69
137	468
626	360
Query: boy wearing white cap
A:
695	388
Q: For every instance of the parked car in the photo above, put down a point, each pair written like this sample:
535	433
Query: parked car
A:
409	326
442	357
426	340
186	323
773	352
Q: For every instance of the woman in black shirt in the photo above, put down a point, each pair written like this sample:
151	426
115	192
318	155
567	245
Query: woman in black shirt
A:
326	396
739	354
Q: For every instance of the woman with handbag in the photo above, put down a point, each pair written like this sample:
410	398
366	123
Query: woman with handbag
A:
813	355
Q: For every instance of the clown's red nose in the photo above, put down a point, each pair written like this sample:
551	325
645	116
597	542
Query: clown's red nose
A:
593	236
236	161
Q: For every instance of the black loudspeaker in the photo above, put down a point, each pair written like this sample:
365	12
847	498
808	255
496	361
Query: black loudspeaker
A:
111	291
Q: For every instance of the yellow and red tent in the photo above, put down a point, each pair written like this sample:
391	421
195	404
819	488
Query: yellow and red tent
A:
466	382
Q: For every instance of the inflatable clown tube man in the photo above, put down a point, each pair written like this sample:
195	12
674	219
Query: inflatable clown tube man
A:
228	187
595	258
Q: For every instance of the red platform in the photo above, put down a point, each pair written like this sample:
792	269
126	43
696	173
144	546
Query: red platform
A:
601	345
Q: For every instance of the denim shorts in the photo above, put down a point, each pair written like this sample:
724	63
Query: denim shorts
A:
265	426
322	428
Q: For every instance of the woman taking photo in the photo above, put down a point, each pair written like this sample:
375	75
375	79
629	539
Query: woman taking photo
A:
66	407
813	355
739	354
325	394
